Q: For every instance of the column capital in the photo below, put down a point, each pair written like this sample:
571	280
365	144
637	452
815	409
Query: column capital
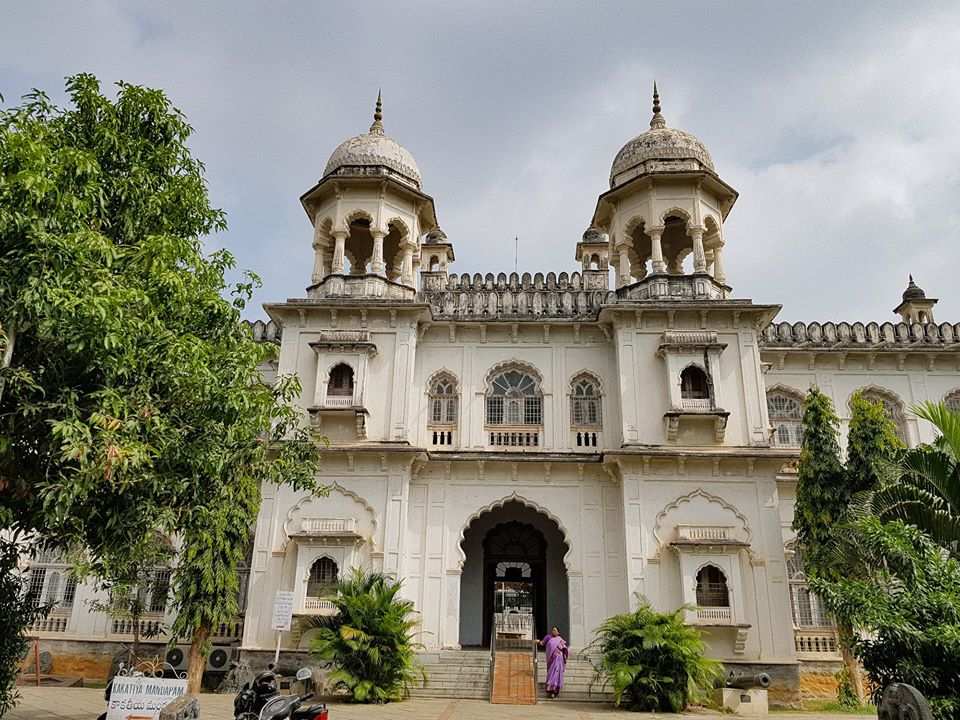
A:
377	233
695	230
339	234
655	230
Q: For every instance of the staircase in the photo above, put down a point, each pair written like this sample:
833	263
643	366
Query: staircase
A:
576	681
513	680
455	674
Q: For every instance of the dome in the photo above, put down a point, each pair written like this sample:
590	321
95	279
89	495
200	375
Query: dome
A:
374	150
436	236
913	292
659	143
593	234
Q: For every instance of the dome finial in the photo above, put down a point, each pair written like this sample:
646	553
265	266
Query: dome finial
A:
377	127
657	121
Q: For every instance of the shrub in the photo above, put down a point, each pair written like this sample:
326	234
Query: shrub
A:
370	640
653	661
17	612
904	610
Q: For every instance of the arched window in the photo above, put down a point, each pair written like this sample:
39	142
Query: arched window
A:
323	577
514	399
35	585
952	401
341	381
808	611
585	408
434	263
712	587
443	400
786	416
893	409
694	384
69	592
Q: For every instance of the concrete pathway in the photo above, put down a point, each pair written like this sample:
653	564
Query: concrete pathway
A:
87	704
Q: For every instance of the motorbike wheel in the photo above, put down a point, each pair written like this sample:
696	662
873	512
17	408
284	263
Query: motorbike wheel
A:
241	716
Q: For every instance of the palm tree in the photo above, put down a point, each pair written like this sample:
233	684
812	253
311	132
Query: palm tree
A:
925	491
370	640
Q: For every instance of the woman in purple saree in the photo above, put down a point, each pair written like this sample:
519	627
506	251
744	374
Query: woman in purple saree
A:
556	650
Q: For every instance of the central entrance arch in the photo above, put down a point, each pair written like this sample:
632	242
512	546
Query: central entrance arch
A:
513	558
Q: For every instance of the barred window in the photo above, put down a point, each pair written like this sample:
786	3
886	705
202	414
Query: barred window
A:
952	401
323	576
443	401
712	588
53	588
69	592
514	399
807	609
892	408
585	403
694	384
35	585
341	381
159	591
786	416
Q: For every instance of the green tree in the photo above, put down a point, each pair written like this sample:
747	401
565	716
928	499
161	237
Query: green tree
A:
370	640
130	397
872	443
904	609
17	612
924	489
823	495
653	661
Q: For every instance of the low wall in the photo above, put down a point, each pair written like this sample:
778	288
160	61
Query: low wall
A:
818	679
87	659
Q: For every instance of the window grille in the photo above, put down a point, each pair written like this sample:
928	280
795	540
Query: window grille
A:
786	416
323	576
952	401
35	586
807	609
443	402
69	592
53	588
585	404
712	588
893	410
514	399
694	384
161	589
341	381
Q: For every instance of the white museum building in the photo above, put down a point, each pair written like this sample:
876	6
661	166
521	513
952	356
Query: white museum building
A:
555	445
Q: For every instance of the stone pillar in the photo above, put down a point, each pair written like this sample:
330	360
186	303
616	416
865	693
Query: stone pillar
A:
377	266
340	240
656	250
406	267
318	269
623	271
699	258
718	273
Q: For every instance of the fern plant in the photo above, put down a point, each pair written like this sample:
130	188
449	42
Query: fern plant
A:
370	641
653	661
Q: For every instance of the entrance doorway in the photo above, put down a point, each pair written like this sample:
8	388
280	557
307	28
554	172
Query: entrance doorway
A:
514	566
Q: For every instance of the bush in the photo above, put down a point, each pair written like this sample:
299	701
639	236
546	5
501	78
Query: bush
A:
16	615
904	610
370	640
653	661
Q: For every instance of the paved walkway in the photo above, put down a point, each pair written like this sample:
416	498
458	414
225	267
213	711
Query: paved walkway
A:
87	704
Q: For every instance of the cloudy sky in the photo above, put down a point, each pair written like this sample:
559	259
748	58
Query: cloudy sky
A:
839	123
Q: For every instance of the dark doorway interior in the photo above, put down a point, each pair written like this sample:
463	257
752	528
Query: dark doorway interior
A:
514	574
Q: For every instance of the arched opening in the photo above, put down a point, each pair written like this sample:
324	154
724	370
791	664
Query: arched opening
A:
434	263
892	408
514	566
340	383
358	249
393	249
514	398
323	577
712	588
595	262
694	384
677	245
585	410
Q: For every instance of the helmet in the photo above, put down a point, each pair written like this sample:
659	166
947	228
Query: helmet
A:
265	684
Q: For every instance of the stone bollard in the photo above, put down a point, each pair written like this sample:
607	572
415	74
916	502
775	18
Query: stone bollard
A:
185	707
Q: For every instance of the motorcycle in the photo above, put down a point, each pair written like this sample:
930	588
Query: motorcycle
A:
260	701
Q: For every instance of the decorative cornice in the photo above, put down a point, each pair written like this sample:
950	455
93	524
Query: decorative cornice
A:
869	336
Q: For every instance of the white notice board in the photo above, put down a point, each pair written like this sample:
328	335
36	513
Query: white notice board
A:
142	697
282	610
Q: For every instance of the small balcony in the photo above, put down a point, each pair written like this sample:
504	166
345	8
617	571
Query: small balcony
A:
328	527
697	404
816	643
318	606
515	439
586	440
441	438
338	402
707	533
714	616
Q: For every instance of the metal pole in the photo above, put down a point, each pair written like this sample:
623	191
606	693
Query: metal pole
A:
276	655
36	659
